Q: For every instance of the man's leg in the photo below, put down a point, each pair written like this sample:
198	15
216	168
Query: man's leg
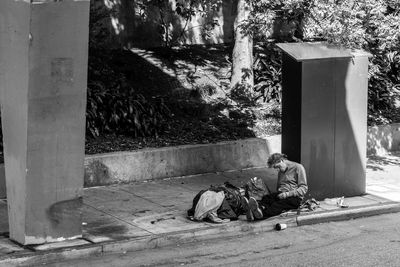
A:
246	209
276	207
255	209
255	206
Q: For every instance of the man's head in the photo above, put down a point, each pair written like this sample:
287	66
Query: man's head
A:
277	161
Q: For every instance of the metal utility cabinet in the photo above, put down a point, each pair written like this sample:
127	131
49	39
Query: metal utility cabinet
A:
324	116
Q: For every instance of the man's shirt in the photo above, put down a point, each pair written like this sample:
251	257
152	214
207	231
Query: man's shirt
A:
293	180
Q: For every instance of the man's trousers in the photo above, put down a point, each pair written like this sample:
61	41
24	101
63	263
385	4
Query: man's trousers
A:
271	205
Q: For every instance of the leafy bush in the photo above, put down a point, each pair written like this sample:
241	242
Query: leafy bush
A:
100	33
113	106
267	72
372	25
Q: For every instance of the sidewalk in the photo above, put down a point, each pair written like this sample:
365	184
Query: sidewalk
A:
151	214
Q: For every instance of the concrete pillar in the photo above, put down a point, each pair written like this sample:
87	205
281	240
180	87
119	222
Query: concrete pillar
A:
44	59
3	193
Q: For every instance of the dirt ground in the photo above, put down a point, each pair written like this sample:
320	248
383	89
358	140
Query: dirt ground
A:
193	81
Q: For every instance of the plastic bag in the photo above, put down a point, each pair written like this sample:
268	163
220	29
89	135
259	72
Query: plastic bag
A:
256	188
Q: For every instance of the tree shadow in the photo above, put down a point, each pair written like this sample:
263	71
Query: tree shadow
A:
376	162
180	76
384	138
197	115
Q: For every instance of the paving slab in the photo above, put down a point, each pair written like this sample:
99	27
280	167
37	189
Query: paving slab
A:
393	195
168	222
383	176
197	182
359	201
167	196
351	202
99	227
120	204
376	198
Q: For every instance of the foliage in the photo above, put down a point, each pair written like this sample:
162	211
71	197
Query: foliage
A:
113	106
243	94
281	20
184	9
99	31
372	25
267	72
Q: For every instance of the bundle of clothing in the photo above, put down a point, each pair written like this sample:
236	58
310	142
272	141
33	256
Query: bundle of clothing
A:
218	204
223	203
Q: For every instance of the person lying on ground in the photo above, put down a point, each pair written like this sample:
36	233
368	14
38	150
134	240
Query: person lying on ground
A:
291	189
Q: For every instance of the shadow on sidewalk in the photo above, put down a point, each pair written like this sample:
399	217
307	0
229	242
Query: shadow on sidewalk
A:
148	214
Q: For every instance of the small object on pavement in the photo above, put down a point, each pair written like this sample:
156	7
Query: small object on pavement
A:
340	203
280	226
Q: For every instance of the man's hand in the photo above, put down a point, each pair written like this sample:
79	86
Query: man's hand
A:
283	195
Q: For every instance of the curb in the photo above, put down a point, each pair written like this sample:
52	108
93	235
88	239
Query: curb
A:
237	228
351	213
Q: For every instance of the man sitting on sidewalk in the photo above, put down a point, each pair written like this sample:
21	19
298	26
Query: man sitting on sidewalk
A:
291	188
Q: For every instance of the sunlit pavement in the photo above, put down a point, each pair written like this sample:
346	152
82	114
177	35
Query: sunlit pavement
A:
383	176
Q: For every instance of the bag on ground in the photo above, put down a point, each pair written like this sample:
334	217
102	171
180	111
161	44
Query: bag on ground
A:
256	188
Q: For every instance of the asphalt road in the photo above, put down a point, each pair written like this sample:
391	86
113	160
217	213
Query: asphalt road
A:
373	241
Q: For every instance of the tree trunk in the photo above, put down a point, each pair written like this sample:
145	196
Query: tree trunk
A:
242	55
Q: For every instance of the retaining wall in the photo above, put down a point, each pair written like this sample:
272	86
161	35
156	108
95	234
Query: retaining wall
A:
383	139
176	161
157	163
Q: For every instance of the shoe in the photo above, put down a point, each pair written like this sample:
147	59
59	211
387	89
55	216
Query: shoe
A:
255	209
246	208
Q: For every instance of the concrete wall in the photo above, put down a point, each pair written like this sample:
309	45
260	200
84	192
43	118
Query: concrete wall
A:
103	169
383	139
175	161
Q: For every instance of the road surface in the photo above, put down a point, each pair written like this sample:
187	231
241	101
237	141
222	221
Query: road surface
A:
373	241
